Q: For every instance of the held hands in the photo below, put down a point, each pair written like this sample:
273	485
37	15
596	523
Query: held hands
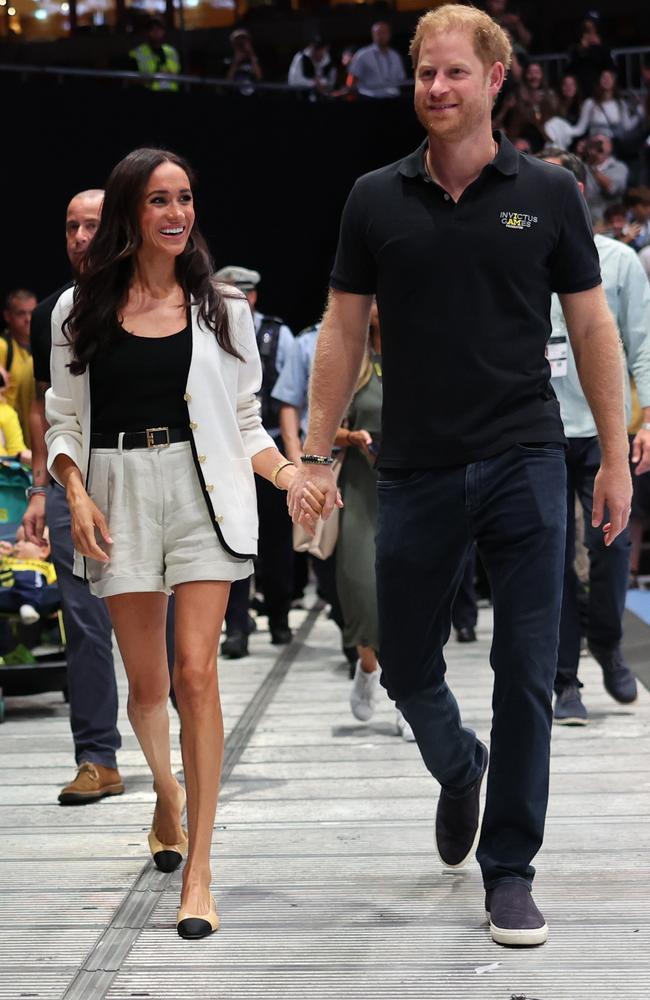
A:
612	489
86	517
312	494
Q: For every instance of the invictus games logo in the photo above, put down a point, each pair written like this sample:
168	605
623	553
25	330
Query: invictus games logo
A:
517	220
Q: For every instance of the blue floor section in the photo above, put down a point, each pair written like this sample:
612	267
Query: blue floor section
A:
638	602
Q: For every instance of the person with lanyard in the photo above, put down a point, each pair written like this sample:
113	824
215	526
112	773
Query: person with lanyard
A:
92	689
155	434
628	296
463	241
274	567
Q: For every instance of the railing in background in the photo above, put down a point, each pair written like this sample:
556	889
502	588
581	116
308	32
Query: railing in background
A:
629	63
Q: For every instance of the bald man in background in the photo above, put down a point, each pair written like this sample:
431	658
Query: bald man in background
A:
92	689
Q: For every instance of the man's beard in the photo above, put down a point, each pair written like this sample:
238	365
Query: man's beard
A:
463	121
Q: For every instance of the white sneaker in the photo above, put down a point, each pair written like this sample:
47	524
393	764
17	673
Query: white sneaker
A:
365	688
403	728
28	614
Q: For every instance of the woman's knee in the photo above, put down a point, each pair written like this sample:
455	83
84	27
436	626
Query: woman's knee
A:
148	693
194	678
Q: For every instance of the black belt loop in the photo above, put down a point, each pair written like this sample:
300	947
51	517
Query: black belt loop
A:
152	437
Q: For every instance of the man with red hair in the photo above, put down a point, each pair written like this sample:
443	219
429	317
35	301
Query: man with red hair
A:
463	242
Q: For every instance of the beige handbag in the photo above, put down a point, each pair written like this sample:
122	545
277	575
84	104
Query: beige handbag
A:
323	543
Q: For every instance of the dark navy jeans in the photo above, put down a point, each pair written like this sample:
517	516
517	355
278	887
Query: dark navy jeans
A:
92	688
608	569
514	507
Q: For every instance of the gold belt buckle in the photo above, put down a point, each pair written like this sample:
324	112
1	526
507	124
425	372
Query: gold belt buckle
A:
150	441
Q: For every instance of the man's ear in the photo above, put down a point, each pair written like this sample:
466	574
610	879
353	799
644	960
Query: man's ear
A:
497	77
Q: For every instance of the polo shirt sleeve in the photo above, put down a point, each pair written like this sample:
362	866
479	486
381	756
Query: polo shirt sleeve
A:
575	266
354	266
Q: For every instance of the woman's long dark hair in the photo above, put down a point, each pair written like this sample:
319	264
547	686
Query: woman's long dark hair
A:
109	264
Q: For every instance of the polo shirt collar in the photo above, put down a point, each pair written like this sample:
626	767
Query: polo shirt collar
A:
506	161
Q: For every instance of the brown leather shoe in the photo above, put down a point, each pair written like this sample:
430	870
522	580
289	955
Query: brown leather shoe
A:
93	782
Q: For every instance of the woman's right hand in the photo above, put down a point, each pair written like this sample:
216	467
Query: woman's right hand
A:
86	517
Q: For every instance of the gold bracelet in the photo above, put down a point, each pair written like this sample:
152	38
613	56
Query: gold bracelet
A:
278	469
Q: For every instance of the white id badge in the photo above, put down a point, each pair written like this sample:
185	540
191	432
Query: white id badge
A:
557	353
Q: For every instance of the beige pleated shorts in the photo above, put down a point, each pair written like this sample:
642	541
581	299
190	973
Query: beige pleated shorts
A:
158	520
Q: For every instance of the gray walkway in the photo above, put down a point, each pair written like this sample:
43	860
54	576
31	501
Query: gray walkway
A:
325	874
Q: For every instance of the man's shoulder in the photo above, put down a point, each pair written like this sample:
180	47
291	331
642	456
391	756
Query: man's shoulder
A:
382	179
557	178
274	320
43	311
306	339
362	53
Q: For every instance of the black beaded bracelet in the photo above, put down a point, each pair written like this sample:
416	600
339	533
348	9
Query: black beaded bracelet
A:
316	460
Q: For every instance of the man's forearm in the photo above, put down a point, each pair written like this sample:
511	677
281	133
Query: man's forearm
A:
600	368
341	345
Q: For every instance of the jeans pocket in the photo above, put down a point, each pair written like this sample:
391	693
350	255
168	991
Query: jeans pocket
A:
542	448
394	478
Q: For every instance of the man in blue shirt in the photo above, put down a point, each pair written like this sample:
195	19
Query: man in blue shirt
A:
292	391
628	297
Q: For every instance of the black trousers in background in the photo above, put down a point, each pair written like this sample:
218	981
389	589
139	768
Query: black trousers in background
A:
608	569
274	566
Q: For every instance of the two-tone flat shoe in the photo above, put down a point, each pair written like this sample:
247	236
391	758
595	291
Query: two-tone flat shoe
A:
167	857
192	927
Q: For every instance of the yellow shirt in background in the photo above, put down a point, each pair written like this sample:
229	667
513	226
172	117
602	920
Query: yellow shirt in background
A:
21	391
11	435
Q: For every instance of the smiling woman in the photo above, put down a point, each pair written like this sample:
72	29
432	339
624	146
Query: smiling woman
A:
149	195
155	432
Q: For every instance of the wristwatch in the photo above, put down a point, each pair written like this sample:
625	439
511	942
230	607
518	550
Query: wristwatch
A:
645	427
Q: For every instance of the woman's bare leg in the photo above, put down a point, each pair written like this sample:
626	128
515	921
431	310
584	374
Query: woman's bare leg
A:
200	610
139	623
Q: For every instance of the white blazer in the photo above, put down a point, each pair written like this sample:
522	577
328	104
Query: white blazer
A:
224	419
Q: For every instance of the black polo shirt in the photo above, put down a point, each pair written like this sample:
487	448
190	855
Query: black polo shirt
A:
40	334
464	297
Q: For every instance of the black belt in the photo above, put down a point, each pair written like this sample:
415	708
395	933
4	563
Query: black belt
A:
152	437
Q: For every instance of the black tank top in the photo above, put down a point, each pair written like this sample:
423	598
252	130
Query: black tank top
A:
139	382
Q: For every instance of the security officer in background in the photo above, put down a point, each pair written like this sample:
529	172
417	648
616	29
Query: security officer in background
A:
274	568
155	56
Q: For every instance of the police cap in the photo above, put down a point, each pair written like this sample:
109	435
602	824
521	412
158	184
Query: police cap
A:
241	277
